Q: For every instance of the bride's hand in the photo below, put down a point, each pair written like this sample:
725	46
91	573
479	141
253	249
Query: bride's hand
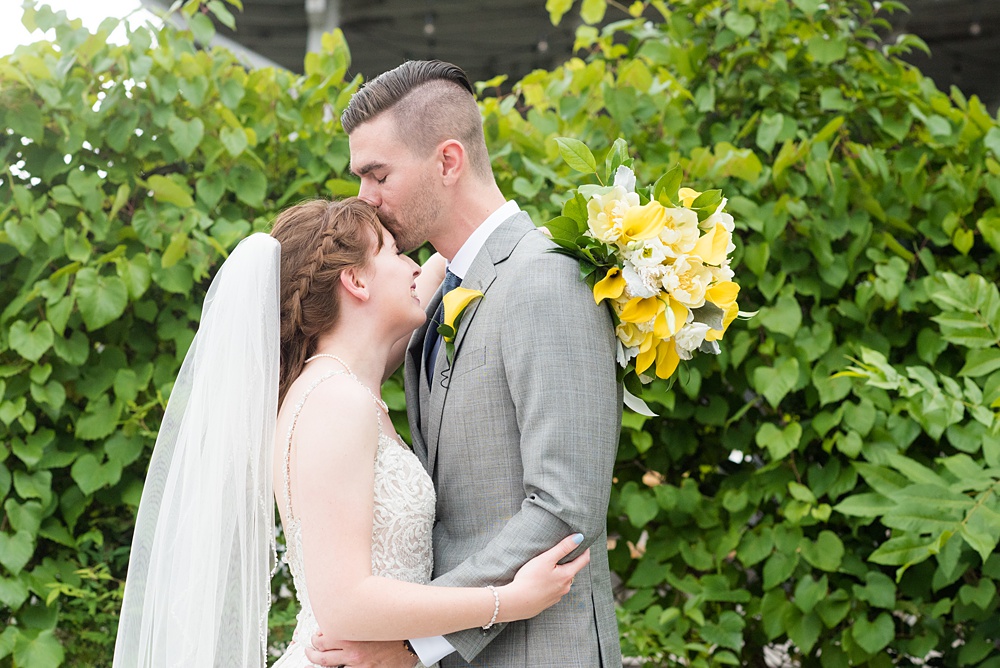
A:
542	582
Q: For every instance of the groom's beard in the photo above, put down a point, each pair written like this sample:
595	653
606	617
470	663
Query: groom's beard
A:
412	221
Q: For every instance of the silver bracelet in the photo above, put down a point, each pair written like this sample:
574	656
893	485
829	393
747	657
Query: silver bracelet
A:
496	607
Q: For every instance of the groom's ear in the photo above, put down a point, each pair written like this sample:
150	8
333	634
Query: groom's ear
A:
452	160
355	283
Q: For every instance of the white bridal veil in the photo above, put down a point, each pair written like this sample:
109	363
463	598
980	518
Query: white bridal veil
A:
197	591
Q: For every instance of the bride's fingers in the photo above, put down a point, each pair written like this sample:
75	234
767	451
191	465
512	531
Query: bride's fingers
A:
563	548
577	565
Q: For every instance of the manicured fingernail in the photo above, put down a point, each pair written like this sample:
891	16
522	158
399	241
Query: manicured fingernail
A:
578	538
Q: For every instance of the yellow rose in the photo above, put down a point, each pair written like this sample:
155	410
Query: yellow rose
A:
680	232
687	281
611	286
630	335
605	213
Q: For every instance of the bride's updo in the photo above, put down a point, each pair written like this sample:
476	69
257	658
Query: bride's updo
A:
319	240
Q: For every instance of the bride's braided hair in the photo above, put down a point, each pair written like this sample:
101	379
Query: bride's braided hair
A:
319	240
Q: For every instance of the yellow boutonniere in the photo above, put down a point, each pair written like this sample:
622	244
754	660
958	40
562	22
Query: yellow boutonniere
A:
455	302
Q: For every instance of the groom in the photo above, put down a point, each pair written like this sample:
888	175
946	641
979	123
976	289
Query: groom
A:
518	425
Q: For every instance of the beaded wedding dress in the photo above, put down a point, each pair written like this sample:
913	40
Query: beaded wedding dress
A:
401	530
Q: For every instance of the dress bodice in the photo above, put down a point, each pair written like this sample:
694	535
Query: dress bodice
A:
401	528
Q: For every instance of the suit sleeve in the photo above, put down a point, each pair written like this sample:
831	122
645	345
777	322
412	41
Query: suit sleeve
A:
558	354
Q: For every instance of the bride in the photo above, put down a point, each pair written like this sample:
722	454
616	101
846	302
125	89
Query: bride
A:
278	399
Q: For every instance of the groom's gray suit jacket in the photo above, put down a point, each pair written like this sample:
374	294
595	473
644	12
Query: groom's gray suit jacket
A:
520	434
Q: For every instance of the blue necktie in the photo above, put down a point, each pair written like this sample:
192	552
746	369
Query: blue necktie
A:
431	336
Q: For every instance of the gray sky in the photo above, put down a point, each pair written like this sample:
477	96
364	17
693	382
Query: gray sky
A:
91	12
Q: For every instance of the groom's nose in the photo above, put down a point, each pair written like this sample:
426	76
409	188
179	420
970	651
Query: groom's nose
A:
369	194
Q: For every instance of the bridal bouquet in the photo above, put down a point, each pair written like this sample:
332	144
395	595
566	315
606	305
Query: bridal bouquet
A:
659	255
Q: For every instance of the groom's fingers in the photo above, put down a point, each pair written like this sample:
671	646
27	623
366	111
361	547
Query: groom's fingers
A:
325	651
323	643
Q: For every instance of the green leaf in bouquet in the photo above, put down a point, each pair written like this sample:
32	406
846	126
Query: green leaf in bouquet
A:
564	228
707	203
709	314
666	187
617	157
576	208
570	249
576	154
632	383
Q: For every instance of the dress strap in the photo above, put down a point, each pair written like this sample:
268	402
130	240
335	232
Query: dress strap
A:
287	473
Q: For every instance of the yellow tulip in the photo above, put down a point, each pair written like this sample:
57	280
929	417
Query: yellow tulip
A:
713	246
667	359
648	342
641	309
671	319
731	312
645	359
643	222
611	286
723	294
688	196
455	303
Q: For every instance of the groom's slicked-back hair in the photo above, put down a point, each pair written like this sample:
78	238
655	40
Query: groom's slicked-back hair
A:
430	101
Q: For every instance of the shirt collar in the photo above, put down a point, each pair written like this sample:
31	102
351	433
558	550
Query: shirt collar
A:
462	261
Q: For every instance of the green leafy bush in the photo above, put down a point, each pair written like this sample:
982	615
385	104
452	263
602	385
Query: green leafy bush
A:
827	487
129	172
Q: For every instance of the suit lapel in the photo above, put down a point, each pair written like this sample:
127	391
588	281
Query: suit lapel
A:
415	383
481	274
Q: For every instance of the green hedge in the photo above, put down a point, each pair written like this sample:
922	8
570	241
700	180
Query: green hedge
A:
827	486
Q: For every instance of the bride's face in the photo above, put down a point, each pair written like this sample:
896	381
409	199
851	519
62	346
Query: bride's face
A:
393	275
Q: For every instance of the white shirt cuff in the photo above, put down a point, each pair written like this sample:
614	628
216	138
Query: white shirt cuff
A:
431	650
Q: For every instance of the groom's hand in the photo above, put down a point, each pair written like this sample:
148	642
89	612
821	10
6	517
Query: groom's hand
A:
382	654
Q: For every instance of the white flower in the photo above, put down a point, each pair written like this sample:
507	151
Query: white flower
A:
606	210
690	338
630	335
720	217
624	355
686	280
681	232
648	253
625	178
723	273
640	282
